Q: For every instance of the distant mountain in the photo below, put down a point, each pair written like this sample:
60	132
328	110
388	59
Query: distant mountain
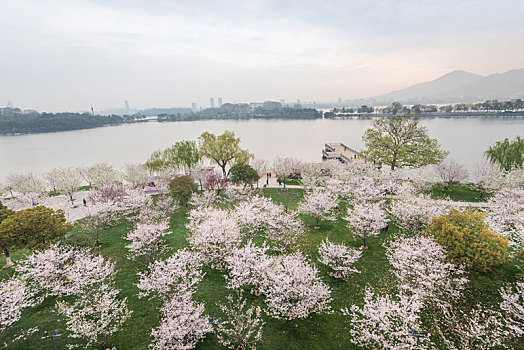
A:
461	86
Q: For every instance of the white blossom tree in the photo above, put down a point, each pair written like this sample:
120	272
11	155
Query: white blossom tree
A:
96	315
366	220
365	188
215	235
67	181
320	204
99	175
136	175
451	172
256	212
284	230
248	267
15	296
146	240
420	266
183	324
285	168
294	289
204	199
62	270
385	322
505	214
179	273
243	324
513	305
483	175
339	258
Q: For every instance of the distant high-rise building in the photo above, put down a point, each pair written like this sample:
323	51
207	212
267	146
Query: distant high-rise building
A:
339	101
220	102
212	102
126	103
9	104
283	102
193	107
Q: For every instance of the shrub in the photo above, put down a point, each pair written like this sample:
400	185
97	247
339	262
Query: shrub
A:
182	187
468	240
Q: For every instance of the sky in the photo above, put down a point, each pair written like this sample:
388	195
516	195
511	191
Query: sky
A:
66	55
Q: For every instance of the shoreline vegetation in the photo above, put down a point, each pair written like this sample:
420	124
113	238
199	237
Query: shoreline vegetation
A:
14	121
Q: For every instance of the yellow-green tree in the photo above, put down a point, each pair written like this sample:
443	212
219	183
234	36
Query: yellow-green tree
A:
399	141
223	149
34	228
468	240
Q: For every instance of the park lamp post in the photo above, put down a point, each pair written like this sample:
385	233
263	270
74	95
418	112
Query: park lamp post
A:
424	334
215	323
52	337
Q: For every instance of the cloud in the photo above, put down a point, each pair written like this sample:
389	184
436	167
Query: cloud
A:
68	54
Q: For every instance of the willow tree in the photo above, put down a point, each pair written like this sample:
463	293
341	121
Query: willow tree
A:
223	149
507	154
399	141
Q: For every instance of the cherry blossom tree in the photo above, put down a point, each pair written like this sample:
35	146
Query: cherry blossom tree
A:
96	315
420	266
109	193
204	199
248	267
136	175
215	235
366	220
413	213
385	322
146	240
294	289
180	272
422	179
284	229
256	212
513	305
285	168
183	324
63	270
15	296
483	175
98	216
99	175
67	181
243	325
451	172
260	166
339	258
235	194
505	214
215	181
365	188
320	204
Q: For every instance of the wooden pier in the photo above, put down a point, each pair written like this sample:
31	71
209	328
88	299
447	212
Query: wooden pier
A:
341	152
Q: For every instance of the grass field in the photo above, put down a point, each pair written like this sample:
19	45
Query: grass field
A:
324	331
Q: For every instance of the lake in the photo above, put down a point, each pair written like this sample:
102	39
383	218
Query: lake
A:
465	138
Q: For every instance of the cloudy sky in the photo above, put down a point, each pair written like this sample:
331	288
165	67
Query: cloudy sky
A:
60	55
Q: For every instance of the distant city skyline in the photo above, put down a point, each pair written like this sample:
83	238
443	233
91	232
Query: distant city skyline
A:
68	55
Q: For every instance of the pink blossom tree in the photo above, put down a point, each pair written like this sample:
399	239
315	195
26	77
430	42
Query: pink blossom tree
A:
505	214
420	266
366	220
180	272
243	324
451	172
215	181
183	324
15	296
339	258
412	213
294	289
96	315
385	322
247	267
320	204
513	306
146	240
215	235
256	212
63	270
365	188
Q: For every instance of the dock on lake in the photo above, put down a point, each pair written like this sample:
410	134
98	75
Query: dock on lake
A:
341	152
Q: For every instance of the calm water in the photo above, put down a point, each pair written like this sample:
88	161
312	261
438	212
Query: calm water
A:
466	139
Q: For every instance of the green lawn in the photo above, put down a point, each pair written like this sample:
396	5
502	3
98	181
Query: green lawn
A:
462	193
324	331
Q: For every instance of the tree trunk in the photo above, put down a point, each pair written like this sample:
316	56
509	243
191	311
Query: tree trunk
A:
8	261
